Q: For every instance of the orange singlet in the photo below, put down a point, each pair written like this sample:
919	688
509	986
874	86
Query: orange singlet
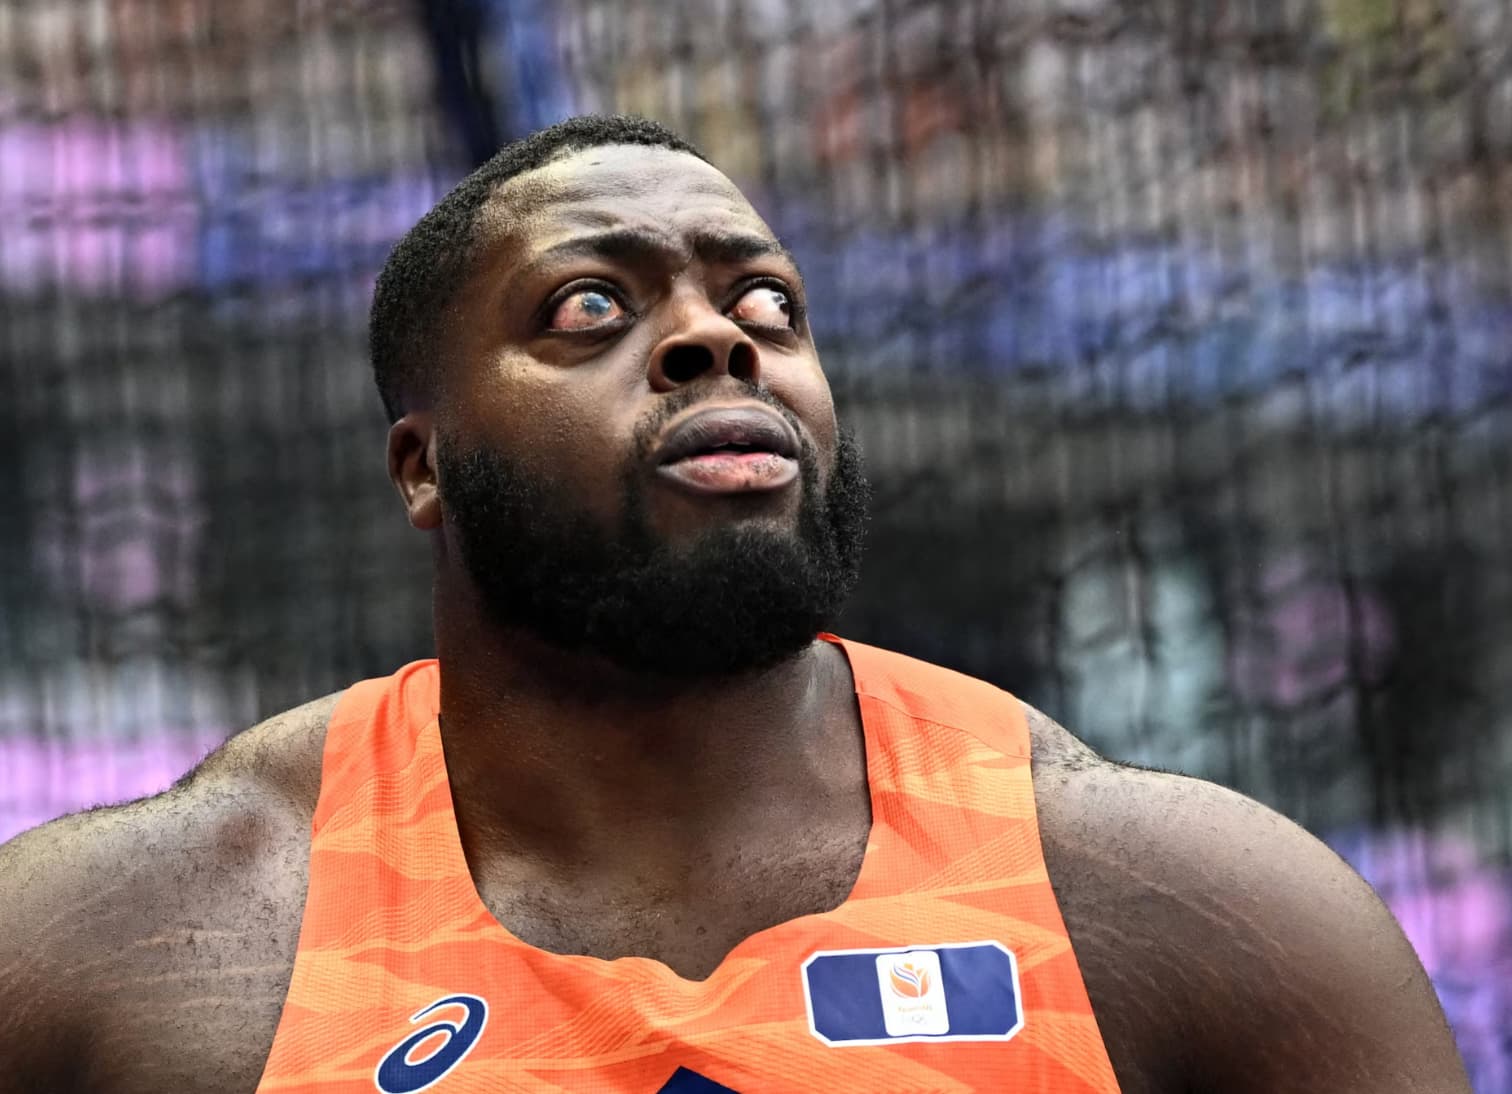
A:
948	968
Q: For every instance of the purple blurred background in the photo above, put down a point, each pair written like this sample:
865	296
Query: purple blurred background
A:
1178	346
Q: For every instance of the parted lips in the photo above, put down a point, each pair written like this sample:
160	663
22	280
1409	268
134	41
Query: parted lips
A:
735	429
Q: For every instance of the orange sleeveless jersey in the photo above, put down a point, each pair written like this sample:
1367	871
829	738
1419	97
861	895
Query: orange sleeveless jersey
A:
947	969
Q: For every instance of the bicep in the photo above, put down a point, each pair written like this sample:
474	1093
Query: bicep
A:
43	962
1312	985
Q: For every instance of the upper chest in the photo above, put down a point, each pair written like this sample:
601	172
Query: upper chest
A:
745	930
212	1022
206	1009
690	918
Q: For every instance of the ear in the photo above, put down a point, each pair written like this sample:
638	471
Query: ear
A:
412	468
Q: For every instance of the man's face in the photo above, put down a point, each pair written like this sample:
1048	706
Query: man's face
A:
637	450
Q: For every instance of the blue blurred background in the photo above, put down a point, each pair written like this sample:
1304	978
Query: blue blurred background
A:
1179	337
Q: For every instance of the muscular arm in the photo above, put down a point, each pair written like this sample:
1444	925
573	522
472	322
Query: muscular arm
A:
44	1011
1251	956
1311	984
148	946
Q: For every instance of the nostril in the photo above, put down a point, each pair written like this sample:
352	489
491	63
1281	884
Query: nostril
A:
743	361
684	363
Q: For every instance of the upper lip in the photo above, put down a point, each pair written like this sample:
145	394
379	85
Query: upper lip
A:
754	427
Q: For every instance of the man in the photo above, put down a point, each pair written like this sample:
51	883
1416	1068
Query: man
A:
643	826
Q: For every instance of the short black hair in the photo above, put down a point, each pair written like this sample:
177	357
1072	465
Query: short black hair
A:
430	263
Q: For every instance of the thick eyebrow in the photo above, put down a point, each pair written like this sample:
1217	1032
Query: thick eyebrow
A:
633	245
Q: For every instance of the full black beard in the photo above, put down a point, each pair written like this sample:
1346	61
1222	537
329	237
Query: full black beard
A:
738	599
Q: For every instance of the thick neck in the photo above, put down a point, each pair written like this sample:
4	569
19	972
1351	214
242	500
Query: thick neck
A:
567	761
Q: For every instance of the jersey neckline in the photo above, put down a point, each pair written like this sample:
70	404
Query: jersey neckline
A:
863	885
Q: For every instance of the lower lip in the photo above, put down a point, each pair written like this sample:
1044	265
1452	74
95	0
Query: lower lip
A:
732	472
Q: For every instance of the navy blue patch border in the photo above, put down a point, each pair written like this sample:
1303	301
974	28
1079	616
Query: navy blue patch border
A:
937	1038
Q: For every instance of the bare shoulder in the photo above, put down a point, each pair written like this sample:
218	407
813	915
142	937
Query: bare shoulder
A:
279	757
166	912
1215	932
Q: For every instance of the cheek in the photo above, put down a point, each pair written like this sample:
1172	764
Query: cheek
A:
570	425
807	392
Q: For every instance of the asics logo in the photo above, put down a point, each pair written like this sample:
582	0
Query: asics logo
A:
397	1073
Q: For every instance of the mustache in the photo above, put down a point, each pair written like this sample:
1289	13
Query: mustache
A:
649	428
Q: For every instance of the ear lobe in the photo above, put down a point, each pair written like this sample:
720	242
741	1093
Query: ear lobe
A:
412	468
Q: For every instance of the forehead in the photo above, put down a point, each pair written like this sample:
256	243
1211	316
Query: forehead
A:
614	186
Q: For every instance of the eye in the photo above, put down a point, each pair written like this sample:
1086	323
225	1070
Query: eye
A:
585	310
764	306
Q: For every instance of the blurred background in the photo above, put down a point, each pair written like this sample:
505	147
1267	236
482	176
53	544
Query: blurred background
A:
1178	335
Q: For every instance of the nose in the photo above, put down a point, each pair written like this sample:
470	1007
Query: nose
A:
705	343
